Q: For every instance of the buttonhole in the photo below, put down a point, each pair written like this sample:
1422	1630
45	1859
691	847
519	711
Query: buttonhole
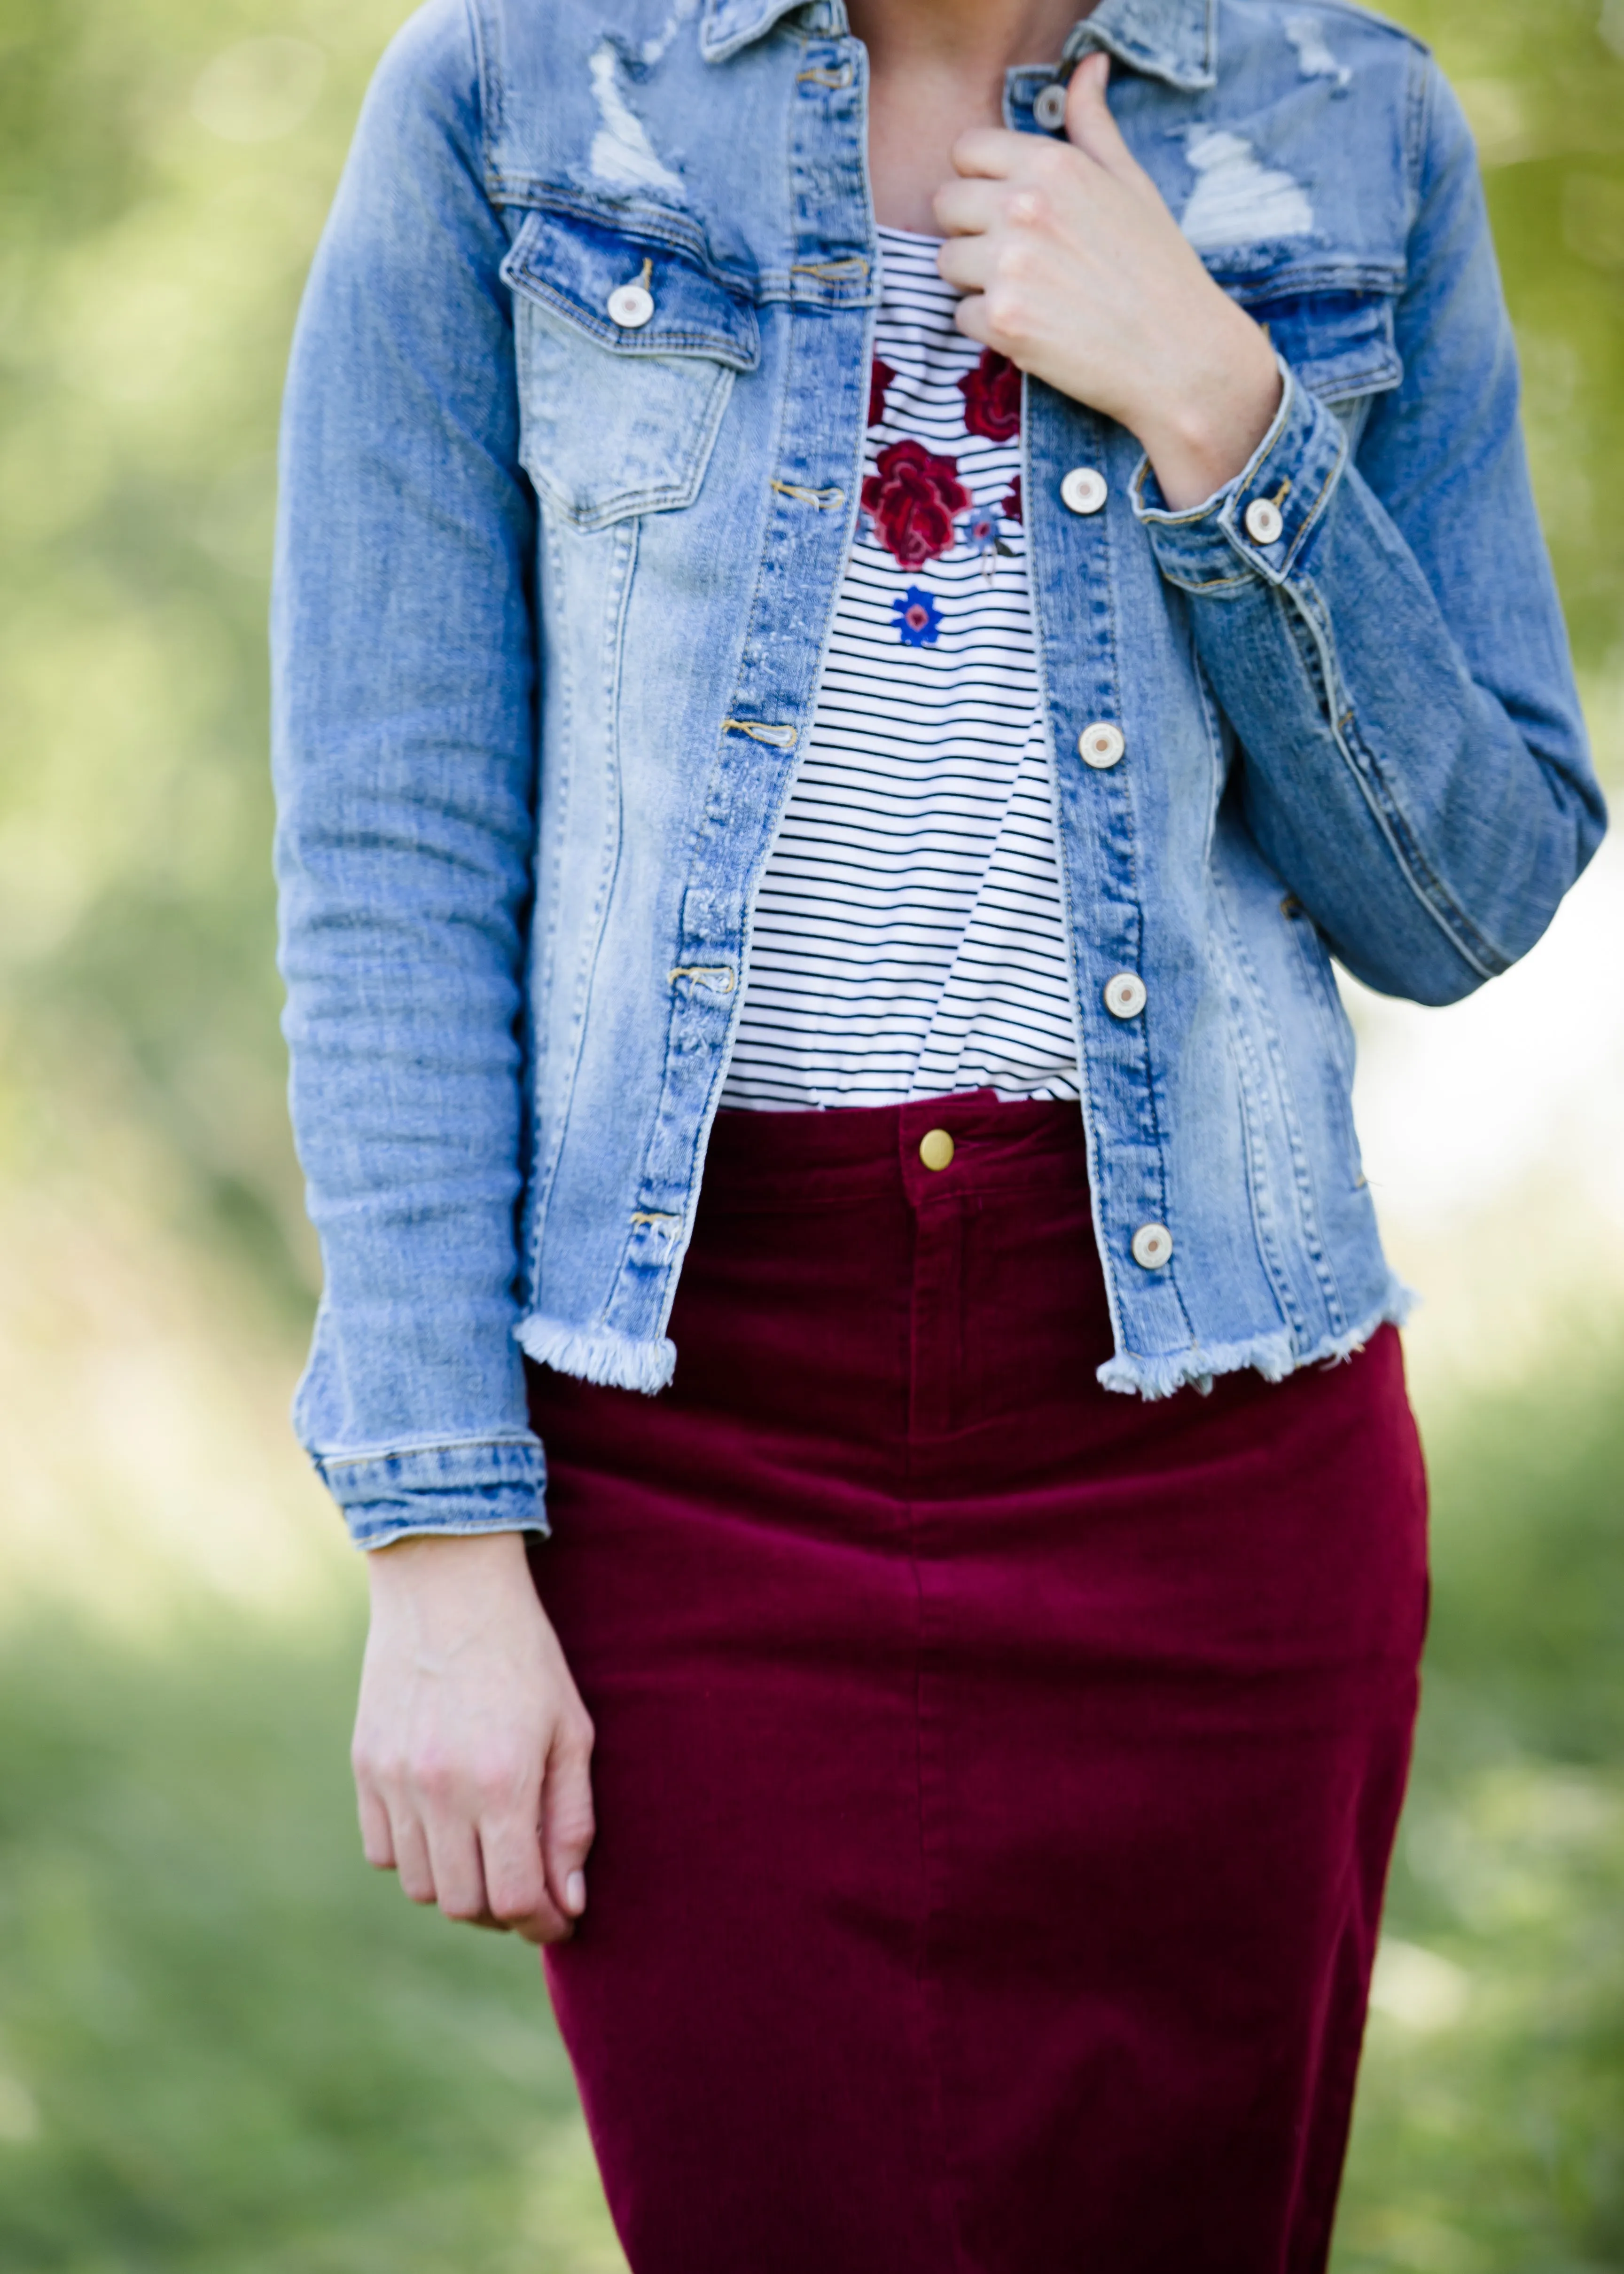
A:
824	500
780	738
717	977
833	272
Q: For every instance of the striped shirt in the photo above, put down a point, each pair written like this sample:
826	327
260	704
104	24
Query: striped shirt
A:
909	936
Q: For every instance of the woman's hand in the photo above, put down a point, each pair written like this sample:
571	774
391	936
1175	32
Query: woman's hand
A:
471	1746
1076	270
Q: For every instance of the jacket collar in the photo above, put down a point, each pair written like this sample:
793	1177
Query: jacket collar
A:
727	25
1171	40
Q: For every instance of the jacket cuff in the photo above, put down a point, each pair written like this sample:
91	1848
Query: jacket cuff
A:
1257	525
454	1489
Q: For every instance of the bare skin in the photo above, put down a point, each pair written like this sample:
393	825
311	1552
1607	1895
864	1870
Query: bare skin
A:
472	1748
1072	264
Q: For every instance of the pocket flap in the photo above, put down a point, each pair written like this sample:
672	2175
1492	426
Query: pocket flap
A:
1339	344
571	258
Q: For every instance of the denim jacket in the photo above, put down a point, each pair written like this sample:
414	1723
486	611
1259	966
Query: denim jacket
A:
553	594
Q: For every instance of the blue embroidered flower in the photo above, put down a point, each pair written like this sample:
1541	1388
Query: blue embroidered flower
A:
919	619
980	534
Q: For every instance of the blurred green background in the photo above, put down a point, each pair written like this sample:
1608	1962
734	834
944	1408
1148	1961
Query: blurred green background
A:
224	2045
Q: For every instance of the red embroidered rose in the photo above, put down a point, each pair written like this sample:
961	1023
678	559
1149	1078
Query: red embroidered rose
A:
1009	504
912	498
879	379
992	398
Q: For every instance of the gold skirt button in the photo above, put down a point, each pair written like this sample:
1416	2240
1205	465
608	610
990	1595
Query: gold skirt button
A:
936	1148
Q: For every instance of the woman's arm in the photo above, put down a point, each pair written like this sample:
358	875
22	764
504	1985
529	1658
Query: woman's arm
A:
1393	660
404	681
404	664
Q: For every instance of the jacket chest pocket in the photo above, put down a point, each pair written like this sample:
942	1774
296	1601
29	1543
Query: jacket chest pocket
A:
1340	344
628	342
1334	327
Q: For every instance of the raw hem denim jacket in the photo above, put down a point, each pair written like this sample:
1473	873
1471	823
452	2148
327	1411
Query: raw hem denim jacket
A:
553	595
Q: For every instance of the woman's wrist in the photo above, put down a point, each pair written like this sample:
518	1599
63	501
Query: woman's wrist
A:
1207	435
446	1563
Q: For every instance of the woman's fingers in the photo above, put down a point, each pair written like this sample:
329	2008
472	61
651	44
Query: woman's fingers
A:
567	1824
377	1839
1089	122
454	1862
472	1747
515	1879
968	262
991	152
967	205
1091	129
411	1857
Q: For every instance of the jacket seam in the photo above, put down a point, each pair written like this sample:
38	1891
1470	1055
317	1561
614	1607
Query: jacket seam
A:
579	1013
1310	1233
1262	1205
677	1247
529	1441
1452	918
1426	887
487	83
1419	96
1147	1068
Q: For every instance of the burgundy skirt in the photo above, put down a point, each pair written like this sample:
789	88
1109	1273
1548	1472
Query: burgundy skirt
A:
995	1777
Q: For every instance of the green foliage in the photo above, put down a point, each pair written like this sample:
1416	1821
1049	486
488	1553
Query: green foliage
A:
1491	2131
164	169
1543	87
165	166
225	2046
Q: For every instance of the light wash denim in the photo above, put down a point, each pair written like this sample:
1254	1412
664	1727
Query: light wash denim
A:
552	598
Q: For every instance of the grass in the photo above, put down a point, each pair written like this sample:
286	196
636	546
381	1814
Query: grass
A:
225	2046
1490	2133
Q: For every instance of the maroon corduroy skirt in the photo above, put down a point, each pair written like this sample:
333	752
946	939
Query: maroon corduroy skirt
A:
995	1777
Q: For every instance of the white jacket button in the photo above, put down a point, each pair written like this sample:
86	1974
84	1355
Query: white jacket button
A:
630	306
1084	490
1048	108
1263	521
1153	1246
1101	745
1124	995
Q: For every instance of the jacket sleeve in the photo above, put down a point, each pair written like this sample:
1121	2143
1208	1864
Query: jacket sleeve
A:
1395	663
404	673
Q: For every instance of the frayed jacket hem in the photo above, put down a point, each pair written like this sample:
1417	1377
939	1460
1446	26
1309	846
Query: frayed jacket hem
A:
1273	1356
598	1354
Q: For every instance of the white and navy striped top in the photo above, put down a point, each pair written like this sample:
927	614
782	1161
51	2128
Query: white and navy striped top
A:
909	937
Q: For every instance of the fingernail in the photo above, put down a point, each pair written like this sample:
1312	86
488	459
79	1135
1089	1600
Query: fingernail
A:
575	1892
